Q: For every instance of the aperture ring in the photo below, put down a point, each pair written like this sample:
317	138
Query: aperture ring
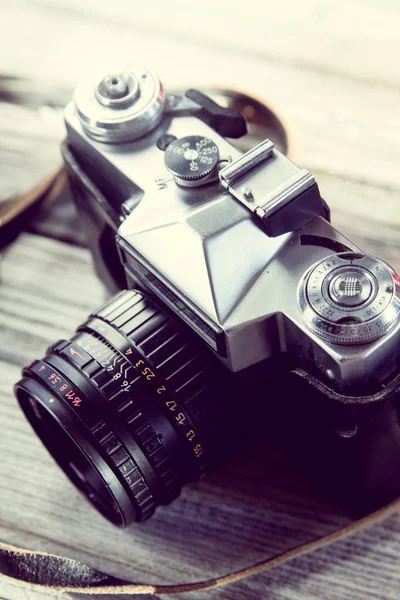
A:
197	382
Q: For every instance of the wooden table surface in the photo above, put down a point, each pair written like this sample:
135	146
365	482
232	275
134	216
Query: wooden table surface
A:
333	71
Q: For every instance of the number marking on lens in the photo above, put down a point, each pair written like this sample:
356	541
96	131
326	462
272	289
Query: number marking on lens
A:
75	352
117	342
181	418
198	450
64	390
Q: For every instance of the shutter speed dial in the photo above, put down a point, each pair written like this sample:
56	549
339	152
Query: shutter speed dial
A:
192	159
350	298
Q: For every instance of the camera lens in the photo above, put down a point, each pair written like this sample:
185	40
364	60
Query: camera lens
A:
131	407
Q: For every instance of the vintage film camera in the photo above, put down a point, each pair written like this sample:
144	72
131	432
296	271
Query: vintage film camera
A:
237	292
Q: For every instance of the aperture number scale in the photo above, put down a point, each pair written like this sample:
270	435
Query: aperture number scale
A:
118	365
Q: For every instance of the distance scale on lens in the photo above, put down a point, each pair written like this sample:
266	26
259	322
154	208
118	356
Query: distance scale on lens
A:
191	158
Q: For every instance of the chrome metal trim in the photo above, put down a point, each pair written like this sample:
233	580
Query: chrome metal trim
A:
367	322
264	180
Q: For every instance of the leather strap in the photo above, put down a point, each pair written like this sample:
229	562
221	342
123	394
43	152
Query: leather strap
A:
48	189
44	570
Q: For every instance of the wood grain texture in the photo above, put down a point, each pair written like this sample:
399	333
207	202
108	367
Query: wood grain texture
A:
343	126
332	70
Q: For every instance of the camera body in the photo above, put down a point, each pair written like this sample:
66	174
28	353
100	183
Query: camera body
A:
239	247
195	240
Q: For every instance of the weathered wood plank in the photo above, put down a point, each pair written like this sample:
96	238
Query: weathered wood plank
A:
12	591
369	215
29	146
357	40
348	128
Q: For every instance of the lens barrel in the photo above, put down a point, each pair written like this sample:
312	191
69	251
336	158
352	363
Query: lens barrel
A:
131	407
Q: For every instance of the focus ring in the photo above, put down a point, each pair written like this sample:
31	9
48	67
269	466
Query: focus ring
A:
176	357
185	366
127	467
155	383
132	414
